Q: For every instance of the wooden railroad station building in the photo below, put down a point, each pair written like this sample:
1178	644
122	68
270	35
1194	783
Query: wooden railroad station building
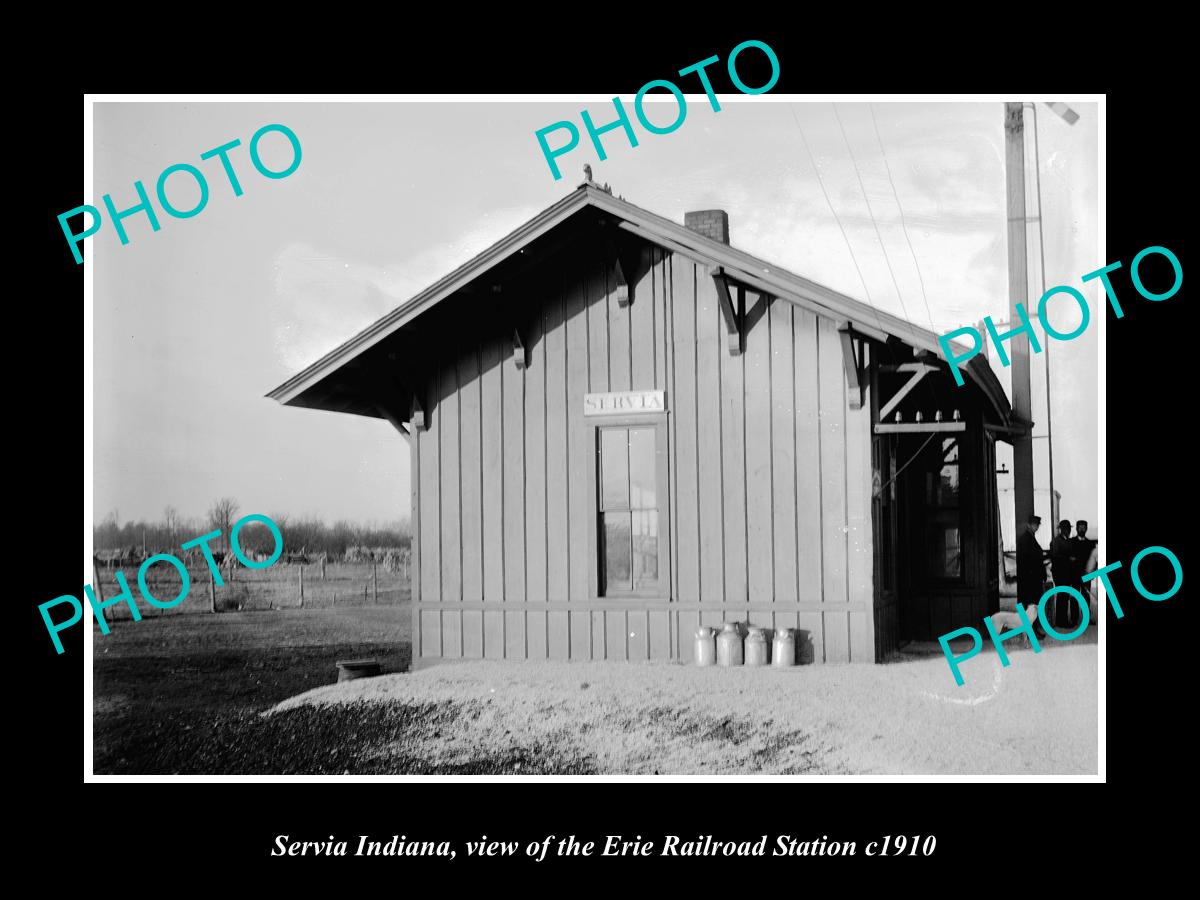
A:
622	428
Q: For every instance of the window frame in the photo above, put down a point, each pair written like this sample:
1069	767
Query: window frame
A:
661	588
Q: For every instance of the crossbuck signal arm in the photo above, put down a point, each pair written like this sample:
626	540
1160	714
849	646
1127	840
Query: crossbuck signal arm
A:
919	371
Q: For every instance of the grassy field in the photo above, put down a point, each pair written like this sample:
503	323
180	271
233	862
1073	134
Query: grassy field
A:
186	693
170	693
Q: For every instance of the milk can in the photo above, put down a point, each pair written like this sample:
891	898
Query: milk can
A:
756	647
729	646
783	652
706	647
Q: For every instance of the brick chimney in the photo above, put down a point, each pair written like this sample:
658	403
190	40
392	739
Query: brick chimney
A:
712	223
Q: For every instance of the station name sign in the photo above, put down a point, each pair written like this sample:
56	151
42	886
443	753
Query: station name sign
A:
624	402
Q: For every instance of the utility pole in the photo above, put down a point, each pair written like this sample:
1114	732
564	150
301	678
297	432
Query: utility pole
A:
1041	222
1018	292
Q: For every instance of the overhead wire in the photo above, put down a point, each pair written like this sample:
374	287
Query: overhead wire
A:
837	219
879	491
904	227
903	223
858	269
874	224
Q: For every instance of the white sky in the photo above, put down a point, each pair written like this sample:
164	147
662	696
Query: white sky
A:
195	322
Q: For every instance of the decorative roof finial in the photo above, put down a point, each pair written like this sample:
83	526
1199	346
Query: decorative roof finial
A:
587	172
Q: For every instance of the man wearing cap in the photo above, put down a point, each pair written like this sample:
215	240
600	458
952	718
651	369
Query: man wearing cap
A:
1031	572
1065	572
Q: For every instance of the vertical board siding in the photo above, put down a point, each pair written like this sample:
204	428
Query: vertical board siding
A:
686	533
658	625
596	298
493	633
616	634
558	626
472	631
492	450
783	455
760	494
733	463
513	390
620	337
536	634
759	445
663	349
660	315
431	633
536	537
514	635
809	550
471	454
557	519
643	333
452	634
709	346
577	364
450	479
833	460
431	504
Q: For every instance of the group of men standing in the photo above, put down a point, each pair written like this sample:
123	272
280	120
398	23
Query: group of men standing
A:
1069	560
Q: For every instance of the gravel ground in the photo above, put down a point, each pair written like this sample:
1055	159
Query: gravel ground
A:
186	694
1037	716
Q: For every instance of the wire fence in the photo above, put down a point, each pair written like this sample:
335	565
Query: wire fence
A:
316	585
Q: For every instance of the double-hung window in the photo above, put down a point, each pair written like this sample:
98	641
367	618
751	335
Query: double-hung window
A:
630	547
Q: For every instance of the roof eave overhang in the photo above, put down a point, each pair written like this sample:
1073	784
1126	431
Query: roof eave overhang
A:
737	264
431	296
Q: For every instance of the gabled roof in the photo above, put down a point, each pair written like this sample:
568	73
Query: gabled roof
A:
738	265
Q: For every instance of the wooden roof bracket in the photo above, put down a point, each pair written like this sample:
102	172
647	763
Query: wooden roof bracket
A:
386	411
416	418
398	376
624	297
729	313
519	349
854	360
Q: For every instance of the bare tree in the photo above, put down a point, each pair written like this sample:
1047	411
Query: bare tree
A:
221	515
171	522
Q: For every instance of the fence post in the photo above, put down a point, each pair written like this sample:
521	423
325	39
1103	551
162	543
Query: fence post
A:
300	568
212	592
99	590
323	567
374	583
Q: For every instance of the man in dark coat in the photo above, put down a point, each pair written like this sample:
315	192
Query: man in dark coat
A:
1064	569
1031	572
1082	548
